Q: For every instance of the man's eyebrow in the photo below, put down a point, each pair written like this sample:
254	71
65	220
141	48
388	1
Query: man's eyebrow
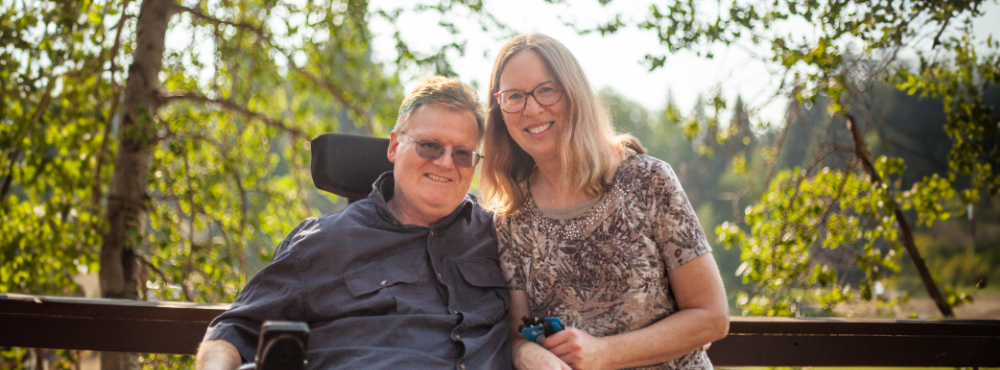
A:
462	146
456	146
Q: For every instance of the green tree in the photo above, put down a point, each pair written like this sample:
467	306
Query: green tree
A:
844	204
173	171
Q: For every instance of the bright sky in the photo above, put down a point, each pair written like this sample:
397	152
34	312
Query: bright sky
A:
615	60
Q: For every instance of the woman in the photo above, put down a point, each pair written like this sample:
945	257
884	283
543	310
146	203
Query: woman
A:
591	230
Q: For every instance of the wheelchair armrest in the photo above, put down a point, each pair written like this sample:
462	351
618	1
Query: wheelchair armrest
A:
282	346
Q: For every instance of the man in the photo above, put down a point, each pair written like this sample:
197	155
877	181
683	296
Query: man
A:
408	278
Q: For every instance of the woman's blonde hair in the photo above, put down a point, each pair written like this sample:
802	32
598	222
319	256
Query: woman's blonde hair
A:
590	143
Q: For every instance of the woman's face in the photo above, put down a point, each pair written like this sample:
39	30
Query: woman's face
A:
536	128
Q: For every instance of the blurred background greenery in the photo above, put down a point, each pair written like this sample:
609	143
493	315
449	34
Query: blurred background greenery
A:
171	172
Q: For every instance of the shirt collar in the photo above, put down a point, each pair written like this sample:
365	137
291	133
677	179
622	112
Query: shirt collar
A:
382	192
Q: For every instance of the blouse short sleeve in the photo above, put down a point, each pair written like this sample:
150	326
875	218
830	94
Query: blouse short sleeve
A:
513	255
676	229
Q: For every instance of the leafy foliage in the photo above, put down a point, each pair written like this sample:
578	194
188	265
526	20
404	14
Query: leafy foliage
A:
51	132
960	83
244	86
246	83
801	222
804	228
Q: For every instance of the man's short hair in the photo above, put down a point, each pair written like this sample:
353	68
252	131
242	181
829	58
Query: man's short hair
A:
441	91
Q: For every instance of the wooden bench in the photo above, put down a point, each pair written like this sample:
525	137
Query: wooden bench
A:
177	328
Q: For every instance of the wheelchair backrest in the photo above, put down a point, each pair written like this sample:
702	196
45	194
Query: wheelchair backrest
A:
348	165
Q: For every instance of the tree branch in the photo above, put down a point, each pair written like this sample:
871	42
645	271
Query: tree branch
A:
861	152
152	267
298	184
244	207
941	167
735	198
188	266
216	21
175	201
336	92
233	107
95	185
840	192
779	145
161	274
937	37
18	147
240	246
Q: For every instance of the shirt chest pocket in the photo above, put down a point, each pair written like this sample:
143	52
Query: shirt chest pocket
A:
484	288
380	289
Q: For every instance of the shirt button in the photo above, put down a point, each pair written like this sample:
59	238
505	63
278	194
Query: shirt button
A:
439	275
432	233
455	312
461	366
383	282
457	336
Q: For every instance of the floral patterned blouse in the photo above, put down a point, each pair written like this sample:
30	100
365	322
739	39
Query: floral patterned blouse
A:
605	272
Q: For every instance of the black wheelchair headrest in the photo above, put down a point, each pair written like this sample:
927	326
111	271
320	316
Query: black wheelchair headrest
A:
348	165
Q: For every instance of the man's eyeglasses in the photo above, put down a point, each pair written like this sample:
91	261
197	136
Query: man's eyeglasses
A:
433	150
513	101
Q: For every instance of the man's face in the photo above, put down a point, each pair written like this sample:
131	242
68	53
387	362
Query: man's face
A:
428	190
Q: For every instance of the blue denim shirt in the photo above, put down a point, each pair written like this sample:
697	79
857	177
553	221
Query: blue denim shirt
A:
380	295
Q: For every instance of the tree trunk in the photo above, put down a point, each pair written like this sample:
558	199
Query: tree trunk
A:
861	152
126	211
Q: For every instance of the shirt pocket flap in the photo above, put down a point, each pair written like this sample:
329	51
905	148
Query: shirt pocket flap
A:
371	279
482	272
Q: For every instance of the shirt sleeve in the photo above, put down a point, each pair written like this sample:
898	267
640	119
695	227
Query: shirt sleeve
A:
676	229
275	293
512	256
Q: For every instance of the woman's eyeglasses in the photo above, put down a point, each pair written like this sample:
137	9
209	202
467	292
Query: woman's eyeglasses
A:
513	101
430	149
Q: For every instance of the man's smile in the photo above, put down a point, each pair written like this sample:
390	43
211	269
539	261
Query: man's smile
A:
438	178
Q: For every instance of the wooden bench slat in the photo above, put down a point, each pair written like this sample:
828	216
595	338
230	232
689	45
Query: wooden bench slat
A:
177	328
101	334
816	350
109	308
843	326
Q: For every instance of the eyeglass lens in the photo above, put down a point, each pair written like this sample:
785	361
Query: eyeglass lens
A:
513	101
433	150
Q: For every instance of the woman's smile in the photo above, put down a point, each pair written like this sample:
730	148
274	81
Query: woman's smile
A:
539	128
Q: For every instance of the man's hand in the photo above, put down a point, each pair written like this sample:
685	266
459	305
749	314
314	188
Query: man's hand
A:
217	355
530	356
579	350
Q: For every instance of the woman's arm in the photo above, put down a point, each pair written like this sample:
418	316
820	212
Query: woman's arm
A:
527	355
703	318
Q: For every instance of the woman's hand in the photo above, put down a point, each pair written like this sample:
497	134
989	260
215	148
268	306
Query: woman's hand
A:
579	350
530	356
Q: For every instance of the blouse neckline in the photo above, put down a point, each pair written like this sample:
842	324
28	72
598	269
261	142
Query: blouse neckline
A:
579	227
